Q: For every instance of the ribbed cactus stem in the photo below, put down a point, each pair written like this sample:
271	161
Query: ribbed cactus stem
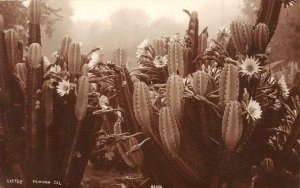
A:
200	83
142	104
187	67
74	58
120	56
34	22
232	125
242	36
11	40
21	71
160	46
33	113
228	84
175	56
169	131
202	44
82	98
64	46
174	93
35	11
268	13
261	37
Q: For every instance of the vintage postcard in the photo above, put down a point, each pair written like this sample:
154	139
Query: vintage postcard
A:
149	93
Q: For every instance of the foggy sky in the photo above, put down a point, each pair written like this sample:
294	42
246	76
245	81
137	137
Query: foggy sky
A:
110	23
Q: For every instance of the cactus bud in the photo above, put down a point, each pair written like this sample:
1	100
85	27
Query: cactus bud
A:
200	83
64	46
261	37
82	98
229	84
11	40
202	44
35	55
35	11
175	57
174	93
159	45
232	125
142	104
169	131
21	71
120	57
74	58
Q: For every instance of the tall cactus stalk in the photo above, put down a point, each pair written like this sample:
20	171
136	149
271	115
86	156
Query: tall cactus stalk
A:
34	22
120	56
229	85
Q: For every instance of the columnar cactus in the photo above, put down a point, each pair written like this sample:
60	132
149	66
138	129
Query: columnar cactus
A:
21	71
202	44
120	56
174	93
228	84
34	22
200	83
11	39
64	46
82	98
261	37
142	105
74	58
160	46
175	56
169	131
232	126
242	36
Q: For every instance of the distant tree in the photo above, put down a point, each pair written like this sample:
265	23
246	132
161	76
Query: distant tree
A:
14	13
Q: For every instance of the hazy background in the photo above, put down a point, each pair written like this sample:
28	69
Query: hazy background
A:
110	23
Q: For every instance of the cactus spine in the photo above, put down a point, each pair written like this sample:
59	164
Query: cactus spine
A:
175	57
159	45
200	83
228	84
232	125
169	131
261	37
174	93
11	40
74	58
142	104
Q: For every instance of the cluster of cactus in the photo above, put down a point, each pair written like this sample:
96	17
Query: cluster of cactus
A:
191	115
216	98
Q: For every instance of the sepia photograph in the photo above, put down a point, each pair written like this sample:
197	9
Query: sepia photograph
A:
149	93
